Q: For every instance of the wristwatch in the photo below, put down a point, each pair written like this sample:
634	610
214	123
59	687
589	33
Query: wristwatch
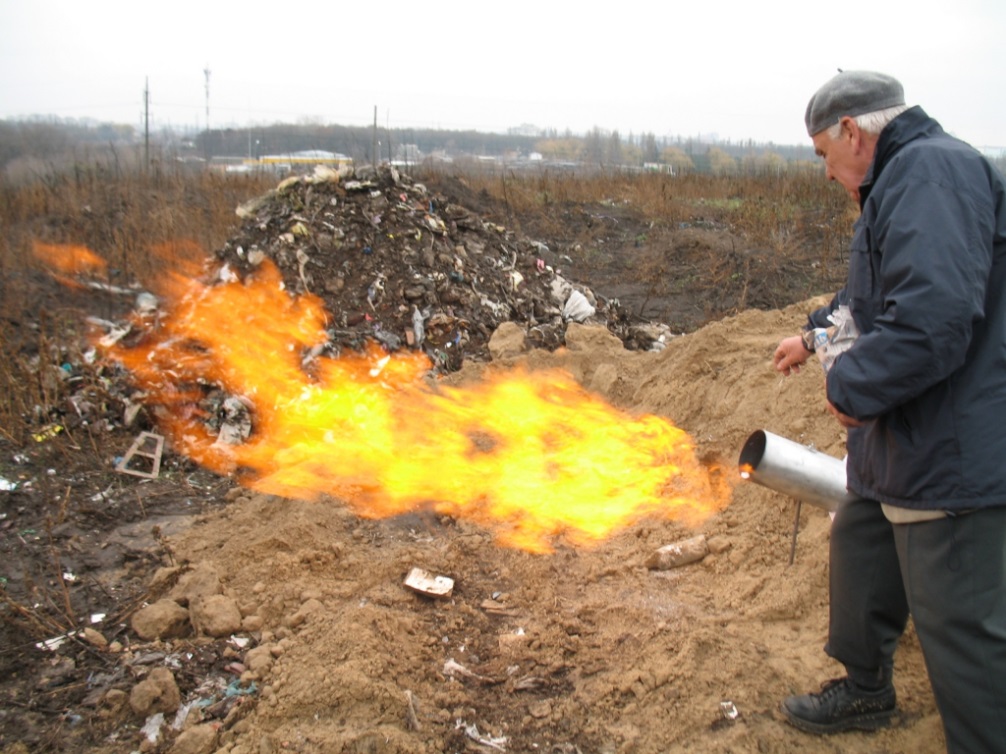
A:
808	340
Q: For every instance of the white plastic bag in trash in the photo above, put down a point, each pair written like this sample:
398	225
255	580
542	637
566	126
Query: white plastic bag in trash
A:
830	342
577	308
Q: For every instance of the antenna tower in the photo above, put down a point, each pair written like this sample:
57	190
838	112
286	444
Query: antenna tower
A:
206	73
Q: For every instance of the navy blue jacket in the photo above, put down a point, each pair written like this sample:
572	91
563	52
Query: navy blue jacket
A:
927	290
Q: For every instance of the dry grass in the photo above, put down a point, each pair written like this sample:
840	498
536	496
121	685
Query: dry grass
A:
125	217
769	207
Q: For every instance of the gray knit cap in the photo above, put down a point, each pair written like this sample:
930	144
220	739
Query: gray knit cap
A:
851	93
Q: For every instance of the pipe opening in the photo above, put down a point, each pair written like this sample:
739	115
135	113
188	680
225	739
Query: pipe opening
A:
753	451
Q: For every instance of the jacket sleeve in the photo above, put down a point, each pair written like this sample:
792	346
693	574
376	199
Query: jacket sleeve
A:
935	243
819	317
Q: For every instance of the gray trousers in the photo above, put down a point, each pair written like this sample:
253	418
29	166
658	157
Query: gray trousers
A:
950	574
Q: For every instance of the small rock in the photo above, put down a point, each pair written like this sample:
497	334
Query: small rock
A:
94	638
202	581
252	623
259	659
199	739
165	619
509	340
157	693
595	339
216	615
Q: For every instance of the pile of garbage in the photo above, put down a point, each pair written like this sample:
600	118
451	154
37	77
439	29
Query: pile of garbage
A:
399	264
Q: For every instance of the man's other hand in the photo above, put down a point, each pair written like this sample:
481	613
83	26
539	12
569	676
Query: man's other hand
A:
790	355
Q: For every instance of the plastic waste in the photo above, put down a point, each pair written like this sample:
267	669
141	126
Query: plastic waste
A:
830	342
418	327
577	308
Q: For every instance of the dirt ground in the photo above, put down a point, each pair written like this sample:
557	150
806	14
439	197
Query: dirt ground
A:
582	650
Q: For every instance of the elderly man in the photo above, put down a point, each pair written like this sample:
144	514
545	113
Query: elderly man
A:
922	393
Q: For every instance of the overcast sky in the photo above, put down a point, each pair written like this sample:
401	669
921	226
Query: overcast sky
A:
740	69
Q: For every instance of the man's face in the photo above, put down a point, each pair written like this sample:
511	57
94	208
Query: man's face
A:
847	157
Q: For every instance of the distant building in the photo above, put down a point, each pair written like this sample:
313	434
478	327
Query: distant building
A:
279	163
658	167
284	162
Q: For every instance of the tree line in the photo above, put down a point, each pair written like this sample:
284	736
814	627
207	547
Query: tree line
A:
52	139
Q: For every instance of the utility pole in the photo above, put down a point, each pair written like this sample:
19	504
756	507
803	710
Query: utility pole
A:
374	151
206	149
146	122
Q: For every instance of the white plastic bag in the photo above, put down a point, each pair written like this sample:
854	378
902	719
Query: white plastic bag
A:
577	308
830	342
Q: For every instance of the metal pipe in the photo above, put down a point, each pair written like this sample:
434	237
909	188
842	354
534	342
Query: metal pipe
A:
795	470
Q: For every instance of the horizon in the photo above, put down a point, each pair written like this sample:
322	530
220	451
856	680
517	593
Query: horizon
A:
992	151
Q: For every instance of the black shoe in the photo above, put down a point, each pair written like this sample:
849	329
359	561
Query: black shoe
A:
841	705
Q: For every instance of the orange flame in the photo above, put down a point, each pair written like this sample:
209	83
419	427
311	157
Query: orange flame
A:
531	455
67	261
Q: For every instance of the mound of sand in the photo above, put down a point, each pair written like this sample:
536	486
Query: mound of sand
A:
580	650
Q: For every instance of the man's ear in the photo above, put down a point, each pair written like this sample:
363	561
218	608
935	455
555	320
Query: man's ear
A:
852	132
848	127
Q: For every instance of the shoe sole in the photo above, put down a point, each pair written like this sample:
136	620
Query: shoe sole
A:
867	722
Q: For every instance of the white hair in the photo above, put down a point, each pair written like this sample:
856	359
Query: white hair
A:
871	123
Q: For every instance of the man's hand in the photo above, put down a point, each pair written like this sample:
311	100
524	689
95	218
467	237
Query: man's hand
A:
790	355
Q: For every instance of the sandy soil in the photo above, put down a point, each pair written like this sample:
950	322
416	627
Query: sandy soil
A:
582	650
